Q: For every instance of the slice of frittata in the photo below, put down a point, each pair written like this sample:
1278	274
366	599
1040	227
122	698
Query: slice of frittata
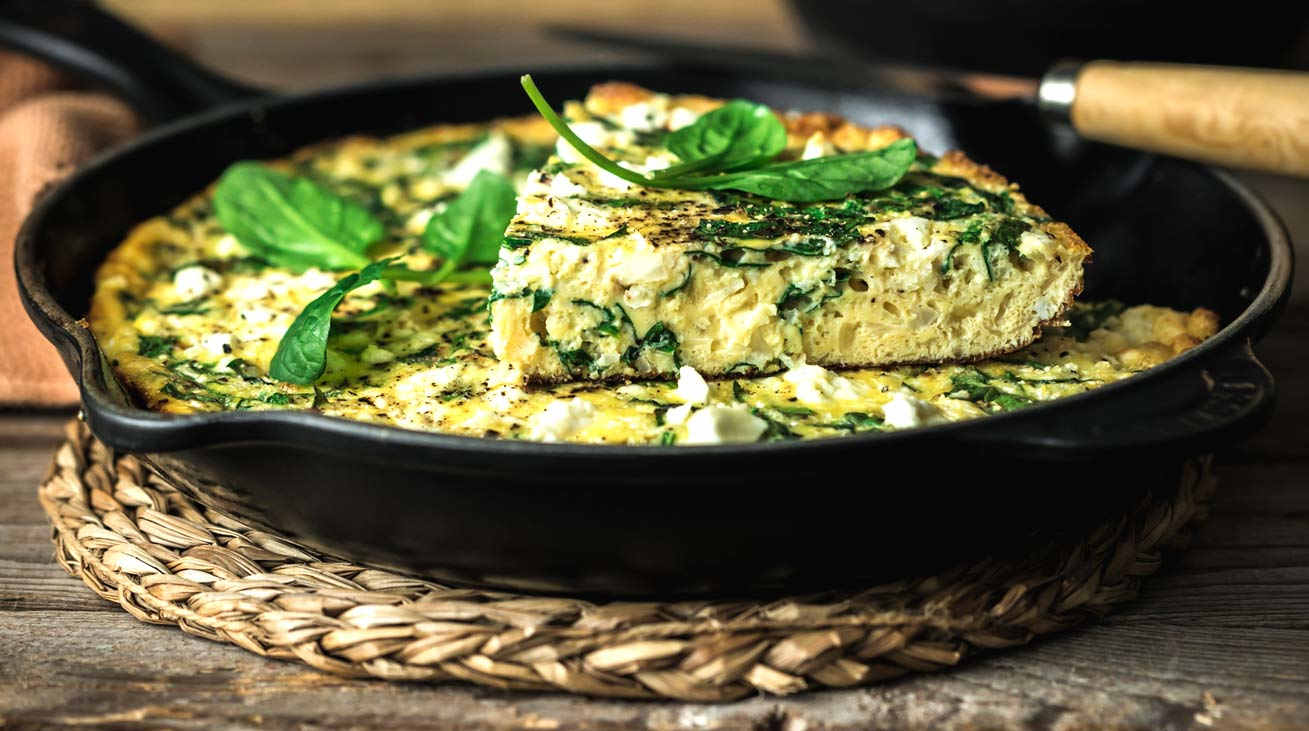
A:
602	279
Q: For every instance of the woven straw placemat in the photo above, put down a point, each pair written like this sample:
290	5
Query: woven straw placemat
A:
135	540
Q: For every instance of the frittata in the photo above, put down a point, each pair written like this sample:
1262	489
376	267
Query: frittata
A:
191	320
602	279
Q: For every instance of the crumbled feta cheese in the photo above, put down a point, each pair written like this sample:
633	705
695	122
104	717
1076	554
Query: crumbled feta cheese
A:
656	162
248	290
911	232
592	133
642	263
904	411
721	424
227	246
1045	308
817	146
562	187
561	419
317	279
216	344
196	281
256	315
815	384
691	386
495	154
503	398
646	116
419	386
678	415
1035	244
681	117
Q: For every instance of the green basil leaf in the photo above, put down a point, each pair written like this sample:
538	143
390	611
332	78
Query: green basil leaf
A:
819	179
302	354
736	135
470	229
293	222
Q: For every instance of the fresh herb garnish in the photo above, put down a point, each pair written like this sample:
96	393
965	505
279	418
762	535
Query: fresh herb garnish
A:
738	135
292	221
302	354
819	179
471	229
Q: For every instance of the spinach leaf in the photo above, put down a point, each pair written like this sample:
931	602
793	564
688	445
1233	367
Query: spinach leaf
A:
153	346
804	181
739	134
293	222
302	354
819	179
978	387
471	228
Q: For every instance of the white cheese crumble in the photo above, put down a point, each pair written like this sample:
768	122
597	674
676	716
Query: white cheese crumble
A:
646	116
504	398
216	344
817	146
815	384
196	281
227	246
561	419
904	412
681	117
562	187
911	232
419	386
494	154
592	133
691	386
722	424
1045	308
678	415
1035	244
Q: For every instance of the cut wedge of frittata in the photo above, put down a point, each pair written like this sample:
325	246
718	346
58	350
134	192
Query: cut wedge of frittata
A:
603	279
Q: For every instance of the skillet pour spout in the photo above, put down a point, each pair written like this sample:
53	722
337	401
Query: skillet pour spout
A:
747	519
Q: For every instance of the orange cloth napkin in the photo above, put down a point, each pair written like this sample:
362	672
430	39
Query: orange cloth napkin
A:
47	128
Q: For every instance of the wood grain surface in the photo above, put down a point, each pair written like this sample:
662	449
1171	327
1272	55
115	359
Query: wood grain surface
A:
1248	118
1219	639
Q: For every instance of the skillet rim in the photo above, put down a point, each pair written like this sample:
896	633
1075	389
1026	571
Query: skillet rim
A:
173	432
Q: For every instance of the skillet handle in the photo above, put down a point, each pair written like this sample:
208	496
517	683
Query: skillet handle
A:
77	36
1200	410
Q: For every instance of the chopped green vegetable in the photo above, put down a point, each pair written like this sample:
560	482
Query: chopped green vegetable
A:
819	179
293	222
302	354
471	229
739	134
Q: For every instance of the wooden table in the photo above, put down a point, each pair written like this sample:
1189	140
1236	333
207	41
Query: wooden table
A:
1220	638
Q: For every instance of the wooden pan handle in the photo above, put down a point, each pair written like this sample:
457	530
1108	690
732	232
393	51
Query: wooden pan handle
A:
1250	118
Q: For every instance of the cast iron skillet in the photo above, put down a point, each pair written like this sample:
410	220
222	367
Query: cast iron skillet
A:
784	516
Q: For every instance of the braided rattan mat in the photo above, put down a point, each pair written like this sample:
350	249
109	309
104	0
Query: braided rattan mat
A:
135	540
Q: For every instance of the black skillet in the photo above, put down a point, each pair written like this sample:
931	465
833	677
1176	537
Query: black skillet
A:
785	516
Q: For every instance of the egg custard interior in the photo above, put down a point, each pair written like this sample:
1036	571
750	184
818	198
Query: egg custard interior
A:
191	317
601	278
